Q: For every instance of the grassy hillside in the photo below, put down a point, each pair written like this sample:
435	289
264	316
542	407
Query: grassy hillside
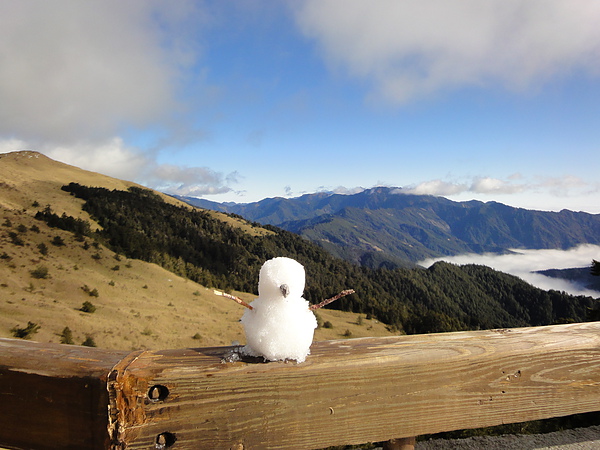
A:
138	304
113	261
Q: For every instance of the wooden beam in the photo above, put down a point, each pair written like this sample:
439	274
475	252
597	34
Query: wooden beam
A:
363	390
347	391
54	396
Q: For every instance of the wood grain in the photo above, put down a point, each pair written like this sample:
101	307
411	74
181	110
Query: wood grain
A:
372	389
54	396
347	391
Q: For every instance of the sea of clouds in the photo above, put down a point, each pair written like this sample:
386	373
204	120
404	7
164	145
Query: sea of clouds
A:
523	263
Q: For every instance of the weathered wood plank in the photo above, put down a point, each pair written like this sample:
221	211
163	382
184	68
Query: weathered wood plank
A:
54	396
360	390
348	391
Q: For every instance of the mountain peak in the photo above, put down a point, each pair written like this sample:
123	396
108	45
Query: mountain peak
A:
23	154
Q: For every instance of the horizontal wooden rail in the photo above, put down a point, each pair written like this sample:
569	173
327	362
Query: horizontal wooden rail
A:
347	391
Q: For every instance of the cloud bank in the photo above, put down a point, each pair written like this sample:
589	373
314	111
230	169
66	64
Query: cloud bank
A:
565	186
71	70
74	76
522	263
412	48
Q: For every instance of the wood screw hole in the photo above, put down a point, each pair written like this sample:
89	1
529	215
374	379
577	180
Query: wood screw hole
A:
165	440
158	393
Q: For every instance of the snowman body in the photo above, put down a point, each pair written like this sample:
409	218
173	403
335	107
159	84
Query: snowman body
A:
280	324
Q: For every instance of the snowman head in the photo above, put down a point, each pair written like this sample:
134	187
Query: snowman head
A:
281	278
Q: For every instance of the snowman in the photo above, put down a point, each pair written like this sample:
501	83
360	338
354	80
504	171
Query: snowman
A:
280	323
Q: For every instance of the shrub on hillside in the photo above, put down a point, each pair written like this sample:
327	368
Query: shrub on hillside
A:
43	248
58	241
79	227
88	307
15	239
39	272
66	337
89	342
27	332
91	292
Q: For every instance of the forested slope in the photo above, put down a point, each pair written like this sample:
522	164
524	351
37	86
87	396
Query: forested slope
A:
190	242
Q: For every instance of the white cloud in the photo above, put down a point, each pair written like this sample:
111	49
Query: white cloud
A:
487	185
567	186
523	263
190	181
434	187
13	145
73	70
563	186
342	190
76	75
413	48
114	158
110	157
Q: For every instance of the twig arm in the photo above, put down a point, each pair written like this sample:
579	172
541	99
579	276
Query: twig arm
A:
234	298
332	299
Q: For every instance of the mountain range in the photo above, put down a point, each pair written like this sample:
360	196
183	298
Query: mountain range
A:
387	227
149	263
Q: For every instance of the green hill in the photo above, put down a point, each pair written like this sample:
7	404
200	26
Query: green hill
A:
139	224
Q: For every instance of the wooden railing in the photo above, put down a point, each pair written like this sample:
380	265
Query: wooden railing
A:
347	391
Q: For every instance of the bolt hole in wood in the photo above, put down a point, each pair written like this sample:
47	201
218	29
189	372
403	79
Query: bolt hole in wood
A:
158	393
165	440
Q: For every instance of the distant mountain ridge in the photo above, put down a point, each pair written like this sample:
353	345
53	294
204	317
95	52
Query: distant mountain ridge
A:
384	226
580	275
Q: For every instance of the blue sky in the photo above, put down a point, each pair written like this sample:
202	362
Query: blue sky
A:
247	99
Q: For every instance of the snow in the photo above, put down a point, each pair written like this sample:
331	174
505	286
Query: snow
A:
280	326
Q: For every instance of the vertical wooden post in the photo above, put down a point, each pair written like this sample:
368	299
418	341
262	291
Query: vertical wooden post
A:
400	444
54	396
